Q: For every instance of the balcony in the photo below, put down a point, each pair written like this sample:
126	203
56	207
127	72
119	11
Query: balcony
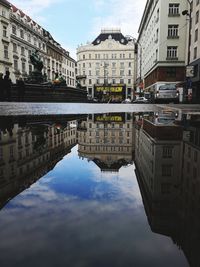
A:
172	58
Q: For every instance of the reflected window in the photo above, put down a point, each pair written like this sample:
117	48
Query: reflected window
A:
166	170
167	152
165	188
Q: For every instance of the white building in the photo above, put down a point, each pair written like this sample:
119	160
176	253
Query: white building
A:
162	43
106	66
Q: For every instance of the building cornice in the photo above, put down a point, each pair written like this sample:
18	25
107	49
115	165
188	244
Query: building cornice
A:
165	64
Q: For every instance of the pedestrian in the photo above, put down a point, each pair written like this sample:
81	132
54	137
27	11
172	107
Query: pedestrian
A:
7	86
2	89
20	89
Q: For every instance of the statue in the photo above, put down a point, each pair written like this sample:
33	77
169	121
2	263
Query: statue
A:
36	76
59	79
36	61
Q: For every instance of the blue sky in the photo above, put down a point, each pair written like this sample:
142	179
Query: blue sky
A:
74	22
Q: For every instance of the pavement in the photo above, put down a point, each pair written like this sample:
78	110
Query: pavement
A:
21	108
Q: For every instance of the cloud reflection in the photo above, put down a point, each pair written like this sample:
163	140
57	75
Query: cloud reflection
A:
82	217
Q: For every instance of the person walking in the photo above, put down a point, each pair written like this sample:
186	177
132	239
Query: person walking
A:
2	89
20	89
7	86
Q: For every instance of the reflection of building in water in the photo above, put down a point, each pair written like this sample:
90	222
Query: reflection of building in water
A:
158	151
28	152
107	139
190	195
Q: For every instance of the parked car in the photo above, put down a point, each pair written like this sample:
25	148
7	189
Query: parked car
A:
126	101
140	100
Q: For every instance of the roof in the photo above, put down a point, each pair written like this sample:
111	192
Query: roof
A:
5	3
110	34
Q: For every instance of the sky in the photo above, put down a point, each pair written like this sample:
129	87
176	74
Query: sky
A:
76	22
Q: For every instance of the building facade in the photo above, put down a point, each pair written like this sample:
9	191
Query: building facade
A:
5	51
194	49
20	37
107	140
162	43
106	67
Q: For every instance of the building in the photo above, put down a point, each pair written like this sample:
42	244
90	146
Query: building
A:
27	152
194	49
162	43
21	35
107	140
158	151
5	51
106	67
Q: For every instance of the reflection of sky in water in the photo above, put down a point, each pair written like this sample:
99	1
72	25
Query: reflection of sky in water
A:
77	216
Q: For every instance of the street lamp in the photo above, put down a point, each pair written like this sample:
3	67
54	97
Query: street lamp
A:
136	43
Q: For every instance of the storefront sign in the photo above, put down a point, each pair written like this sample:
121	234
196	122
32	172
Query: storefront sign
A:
112	89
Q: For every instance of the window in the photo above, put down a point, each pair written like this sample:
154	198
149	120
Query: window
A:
22	34
171	72
22	51
195	52
196	35
113	65
23	67
166	170
14	48
121	72
129	64
121	81
4	31
197	2
173	9
129	81
172	31
90	81
165	188
172	52
122	65
15	64
129	72
167	152
113	72
5	51
113	81
197	17
14	29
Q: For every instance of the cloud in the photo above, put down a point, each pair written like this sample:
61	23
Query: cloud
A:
125	16
34	8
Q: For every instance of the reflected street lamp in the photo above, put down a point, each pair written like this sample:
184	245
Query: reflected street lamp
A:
188	13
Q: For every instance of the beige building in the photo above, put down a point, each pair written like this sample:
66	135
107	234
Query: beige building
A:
21	36
162	43
107	140
5	46
106	67
29	152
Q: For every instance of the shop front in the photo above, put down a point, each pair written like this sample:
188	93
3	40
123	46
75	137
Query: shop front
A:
112	93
